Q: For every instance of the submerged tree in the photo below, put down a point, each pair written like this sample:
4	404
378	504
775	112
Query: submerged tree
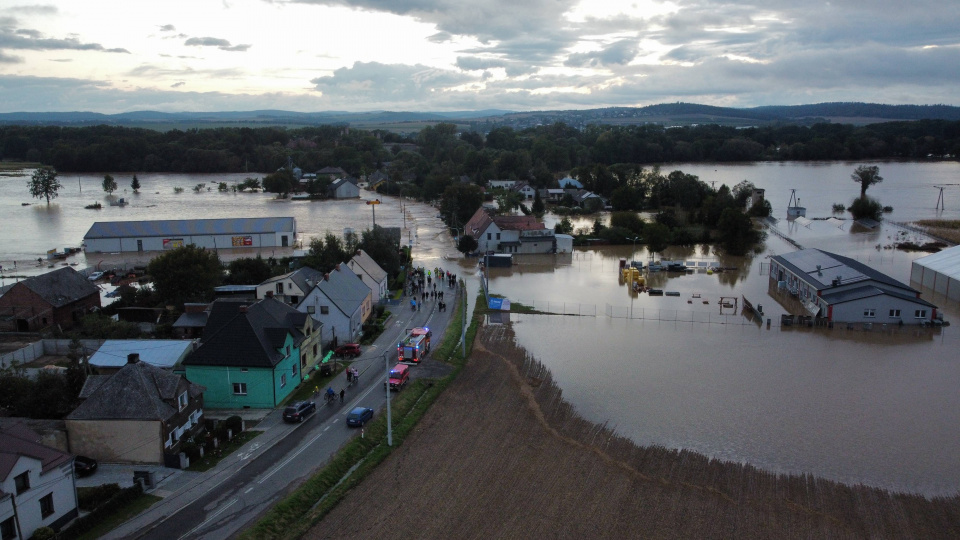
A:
44	183
866	176
109	184
135	184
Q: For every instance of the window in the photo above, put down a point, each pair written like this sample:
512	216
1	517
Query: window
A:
293	368
895	313
869	313
239	388
22	482
287	348
324	310
279	288
314	350
46	505
8	530
920	314
311	309
244	370
182	401
283	380
289	286
489	236
498	236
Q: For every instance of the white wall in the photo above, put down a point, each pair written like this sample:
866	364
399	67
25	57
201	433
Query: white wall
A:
58	481
882	304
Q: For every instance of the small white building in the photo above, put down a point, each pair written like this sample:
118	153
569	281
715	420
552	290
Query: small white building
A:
167	234
564	243
344	188
500	184
37	484
841	289
291	287
509	234
372	275
939	272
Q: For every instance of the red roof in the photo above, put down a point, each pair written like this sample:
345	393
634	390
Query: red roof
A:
518	223
19	440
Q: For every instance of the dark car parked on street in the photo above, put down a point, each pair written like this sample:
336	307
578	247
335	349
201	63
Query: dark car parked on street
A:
84	466
359	416
297	411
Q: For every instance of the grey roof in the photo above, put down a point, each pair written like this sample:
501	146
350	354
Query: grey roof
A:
251	338
805	261
368	265
161	353
188	227
868	291
18	440
137	392
304	277
331	170
345	289
60	287
946	262
192	320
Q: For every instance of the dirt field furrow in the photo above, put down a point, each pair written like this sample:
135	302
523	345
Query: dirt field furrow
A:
501	455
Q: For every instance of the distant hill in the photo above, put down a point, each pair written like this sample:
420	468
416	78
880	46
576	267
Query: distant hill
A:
665	113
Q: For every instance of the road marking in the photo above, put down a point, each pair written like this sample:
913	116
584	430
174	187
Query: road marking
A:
291	458
326	428
246	455
209	519
249	489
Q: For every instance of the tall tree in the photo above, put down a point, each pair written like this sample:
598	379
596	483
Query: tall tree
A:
109	184
866	176
186	274
538	207
382	249
280	182
44	183
326	253
467	244
135	184
248	271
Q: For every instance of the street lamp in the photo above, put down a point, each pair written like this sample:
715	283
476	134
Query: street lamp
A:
635	238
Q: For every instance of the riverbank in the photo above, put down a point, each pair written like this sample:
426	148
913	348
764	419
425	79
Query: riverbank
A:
501	454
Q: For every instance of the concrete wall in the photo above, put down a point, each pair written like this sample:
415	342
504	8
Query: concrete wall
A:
117	441
49	347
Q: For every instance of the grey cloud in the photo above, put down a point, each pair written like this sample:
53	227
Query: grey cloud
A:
207	42
440	37
168	28
64	60
11	40
618	53
375	84
150	70
37	9
474	63
221	44
177	84
9	59
29	33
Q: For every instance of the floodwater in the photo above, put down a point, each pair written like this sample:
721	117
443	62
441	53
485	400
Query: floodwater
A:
878	407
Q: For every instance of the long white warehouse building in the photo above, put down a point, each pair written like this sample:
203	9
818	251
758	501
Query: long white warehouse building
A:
939	272
161	235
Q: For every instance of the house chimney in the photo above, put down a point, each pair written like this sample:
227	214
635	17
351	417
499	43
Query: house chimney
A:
133	358
358	252
243	308
338	267
326	277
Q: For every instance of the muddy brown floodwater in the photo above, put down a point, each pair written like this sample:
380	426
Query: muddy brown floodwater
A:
501	455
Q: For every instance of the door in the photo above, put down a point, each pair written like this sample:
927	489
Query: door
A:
284	241
139	245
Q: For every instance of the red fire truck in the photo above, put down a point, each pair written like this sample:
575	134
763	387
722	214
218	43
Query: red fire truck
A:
415	346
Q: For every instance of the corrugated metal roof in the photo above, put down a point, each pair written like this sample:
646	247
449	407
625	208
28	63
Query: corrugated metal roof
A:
161	353
188	227
946	262
806	262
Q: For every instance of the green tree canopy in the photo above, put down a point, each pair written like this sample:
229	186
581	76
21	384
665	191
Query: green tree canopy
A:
382	249
280	182
538	207
467	244
656	236
135	184
461	201
248	271
109	184
866	176
44	183
736	232
186	274
327	252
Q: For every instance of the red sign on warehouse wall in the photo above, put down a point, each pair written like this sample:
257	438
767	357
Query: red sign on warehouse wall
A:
240	241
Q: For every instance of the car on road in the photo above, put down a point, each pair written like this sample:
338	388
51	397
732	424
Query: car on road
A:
348	349
84	466
95	276
297	411
359	416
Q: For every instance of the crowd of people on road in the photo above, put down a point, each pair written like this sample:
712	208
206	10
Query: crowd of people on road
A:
422	284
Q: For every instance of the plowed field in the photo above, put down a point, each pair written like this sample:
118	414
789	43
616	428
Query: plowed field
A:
501	455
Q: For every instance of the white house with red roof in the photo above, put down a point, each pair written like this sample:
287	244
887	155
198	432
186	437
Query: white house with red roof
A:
510	234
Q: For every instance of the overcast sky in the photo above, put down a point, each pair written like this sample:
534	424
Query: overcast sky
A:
421	55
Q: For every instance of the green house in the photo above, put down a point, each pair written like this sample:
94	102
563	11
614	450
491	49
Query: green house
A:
249	355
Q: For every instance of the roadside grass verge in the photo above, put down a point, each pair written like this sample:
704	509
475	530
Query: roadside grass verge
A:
210	460
293	516
304	392
126	512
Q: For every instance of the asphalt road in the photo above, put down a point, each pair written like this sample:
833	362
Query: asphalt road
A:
237	497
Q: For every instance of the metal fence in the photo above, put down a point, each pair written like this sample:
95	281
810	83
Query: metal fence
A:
560	308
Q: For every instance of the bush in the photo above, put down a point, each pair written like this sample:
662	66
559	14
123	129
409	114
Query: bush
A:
684	237
92	497
839	207
627	220
44	533
85	523
866	208
234	423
